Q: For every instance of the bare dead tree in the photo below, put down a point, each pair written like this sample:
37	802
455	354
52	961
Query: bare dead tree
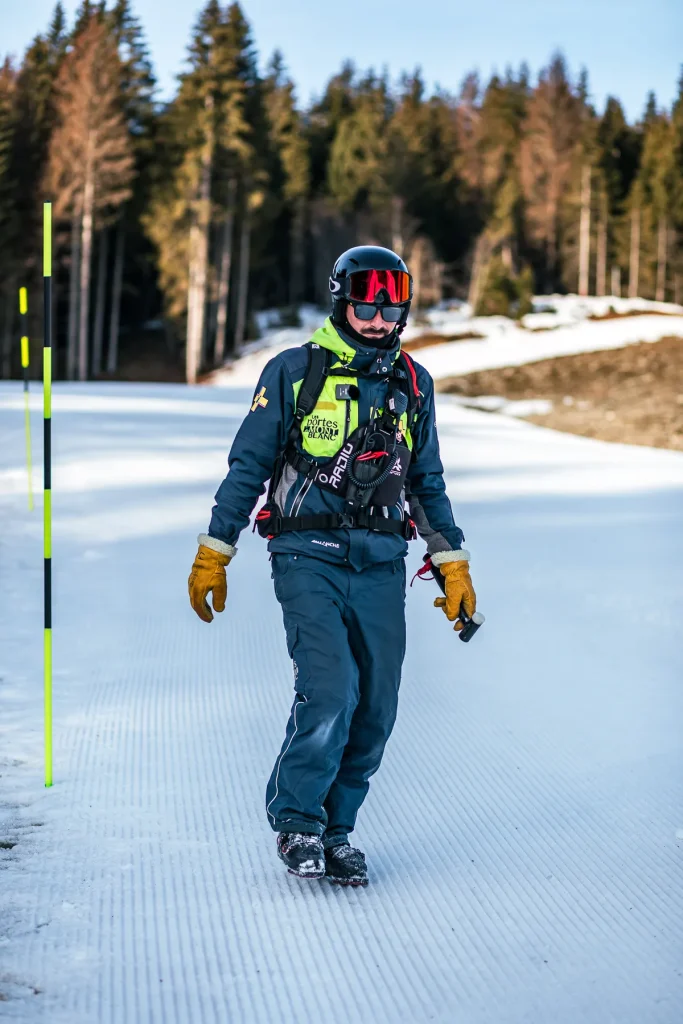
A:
551	134
90	159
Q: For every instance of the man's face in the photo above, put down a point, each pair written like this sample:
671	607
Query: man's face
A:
370	329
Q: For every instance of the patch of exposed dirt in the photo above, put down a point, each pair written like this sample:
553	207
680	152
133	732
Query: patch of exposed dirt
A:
425	340
612	314
633	395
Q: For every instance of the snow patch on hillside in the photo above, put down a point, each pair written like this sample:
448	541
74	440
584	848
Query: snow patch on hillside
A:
560	325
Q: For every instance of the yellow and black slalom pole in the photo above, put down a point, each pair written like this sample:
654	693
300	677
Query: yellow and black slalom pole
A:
47	478
23	311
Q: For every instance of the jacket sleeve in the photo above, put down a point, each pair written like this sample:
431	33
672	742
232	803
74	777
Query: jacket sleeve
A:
430	506
258	443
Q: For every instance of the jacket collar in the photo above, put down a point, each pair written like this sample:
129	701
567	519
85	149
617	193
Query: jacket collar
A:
353	353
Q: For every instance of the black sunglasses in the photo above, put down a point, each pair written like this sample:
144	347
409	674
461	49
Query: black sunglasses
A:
364	311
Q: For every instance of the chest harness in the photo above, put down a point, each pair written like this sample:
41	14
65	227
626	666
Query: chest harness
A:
368	470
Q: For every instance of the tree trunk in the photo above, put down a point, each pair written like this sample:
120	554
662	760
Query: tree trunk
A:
601	268
86	259
194	322
199	256
101	298
117	284
7	332
482	253
661	260
416	267
397	224
74	271
634	266
616	282
243	285
585	231
224	278
551	241
297	260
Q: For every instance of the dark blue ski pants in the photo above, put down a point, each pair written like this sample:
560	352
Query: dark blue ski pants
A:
346	637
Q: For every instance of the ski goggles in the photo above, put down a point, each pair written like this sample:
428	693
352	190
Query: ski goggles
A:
367	311
365	285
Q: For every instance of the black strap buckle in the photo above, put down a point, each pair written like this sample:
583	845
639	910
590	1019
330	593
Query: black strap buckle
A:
409	528
346	521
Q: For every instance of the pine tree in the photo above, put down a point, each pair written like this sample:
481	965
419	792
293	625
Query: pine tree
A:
242	162
357	163
292	154
207	139
677	205
618	153
499	133
407	164
323	121
658	184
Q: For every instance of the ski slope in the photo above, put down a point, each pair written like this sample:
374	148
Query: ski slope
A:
521	833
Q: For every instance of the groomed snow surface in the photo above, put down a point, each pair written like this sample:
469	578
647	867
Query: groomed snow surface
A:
521	833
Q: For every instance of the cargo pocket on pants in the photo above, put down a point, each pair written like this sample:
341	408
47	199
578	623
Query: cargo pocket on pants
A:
298	658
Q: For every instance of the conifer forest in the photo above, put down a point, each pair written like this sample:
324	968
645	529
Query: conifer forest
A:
177	222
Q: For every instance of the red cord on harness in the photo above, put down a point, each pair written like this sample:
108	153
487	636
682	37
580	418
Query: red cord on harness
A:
422	573
371	455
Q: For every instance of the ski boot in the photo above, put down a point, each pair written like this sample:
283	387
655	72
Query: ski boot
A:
345	866
302	853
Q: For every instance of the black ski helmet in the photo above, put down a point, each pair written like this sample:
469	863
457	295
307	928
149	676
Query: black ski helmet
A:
352	276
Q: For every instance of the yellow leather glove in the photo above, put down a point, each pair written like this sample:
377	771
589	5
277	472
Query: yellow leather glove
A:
459	590
208	576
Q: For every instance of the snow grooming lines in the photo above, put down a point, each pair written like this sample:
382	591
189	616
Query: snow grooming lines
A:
47	481
23	313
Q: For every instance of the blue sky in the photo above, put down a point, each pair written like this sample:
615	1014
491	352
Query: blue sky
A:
628	46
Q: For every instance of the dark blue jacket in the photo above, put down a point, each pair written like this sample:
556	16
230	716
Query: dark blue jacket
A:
263	435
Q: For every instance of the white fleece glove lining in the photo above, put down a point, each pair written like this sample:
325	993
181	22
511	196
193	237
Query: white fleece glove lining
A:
441	557
217	545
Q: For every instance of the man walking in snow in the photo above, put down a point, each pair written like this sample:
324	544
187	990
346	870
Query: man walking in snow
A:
344	429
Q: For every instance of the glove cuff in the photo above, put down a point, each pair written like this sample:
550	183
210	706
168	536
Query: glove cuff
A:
217	545
441	557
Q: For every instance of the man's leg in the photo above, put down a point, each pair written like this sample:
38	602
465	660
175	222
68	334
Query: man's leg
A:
375	618
313	595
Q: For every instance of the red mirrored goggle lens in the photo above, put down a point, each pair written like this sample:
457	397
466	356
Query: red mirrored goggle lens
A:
364	285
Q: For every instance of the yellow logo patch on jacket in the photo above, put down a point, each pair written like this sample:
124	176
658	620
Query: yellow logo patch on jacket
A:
260	401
